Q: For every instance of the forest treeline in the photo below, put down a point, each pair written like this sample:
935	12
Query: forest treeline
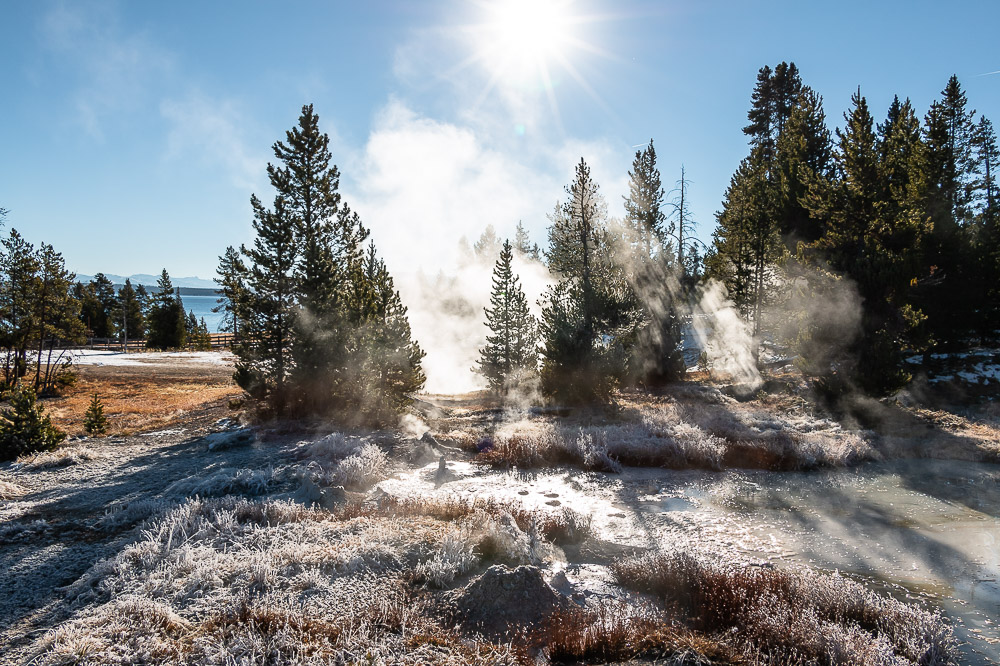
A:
854	249
886	228
901	212
44	310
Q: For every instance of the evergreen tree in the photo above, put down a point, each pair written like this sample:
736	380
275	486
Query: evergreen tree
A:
653	272
523	245
488	245
167	323
24	426
874	238
804	151
589	314
94	420
764	205
264	353
322	330
17	289
746	244
510	357
645	217
951	179
987	155
56	318
197	334
97	306
385	360
232	282
328	239
775	95
988	229
103	289
128	313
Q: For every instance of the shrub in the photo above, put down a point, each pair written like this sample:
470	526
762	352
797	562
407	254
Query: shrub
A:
24	428
94	421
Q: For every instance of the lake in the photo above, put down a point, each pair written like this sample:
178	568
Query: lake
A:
202	307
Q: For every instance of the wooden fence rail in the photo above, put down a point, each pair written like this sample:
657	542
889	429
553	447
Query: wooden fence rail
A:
219	341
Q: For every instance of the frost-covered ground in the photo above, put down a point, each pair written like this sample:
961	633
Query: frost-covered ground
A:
207	543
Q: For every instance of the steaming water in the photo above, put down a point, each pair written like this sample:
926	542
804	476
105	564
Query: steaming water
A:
928	529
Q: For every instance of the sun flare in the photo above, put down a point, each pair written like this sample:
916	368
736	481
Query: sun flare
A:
524	38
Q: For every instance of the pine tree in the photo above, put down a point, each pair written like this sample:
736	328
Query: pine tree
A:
128	313
773	99
17	290
488	245
874	238
951	179
264	352
747	244
322	330
232	277
589	314
804	151
97	306
328	239
654	274
523	245
988	227
94	421
24	427
645	217
198	337
510	357
56	318
167	323
384	364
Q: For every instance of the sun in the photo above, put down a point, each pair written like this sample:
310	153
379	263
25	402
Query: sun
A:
522	40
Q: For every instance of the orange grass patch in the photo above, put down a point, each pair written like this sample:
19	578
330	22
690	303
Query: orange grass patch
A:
138	398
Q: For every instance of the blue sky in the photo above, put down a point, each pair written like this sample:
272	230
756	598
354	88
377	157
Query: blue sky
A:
133	133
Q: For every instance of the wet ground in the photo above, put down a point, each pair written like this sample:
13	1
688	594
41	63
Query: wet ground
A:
924	529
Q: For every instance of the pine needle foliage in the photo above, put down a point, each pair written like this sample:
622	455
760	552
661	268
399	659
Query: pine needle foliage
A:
510	357
24	427
94	420
321	329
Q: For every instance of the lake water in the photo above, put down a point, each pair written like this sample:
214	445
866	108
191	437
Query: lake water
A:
202	307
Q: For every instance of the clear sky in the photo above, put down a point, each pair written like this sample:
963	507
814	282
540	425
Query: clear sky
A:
133	133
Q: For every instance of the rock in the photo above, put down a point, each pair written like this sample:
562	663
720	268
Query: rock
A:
311	493
502	600
228	438
419	451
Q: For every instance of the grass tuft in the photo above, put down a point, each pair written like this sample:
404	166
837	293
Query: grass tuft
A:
791	615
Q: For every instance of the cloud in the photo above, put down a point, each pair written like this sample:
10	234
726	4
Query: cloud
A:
214	132
421	184
115	72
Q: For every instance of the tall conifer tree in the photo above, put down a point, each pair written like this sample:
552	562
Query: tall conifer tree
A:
510	357
167	323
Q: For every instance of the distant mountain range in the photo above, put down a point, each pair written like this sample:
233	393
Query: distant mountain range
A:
151	280
188	285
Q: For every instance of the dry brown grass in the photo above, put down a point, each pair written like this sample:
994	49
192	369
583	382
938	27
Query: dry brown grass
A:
616	632
138	398
790	616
